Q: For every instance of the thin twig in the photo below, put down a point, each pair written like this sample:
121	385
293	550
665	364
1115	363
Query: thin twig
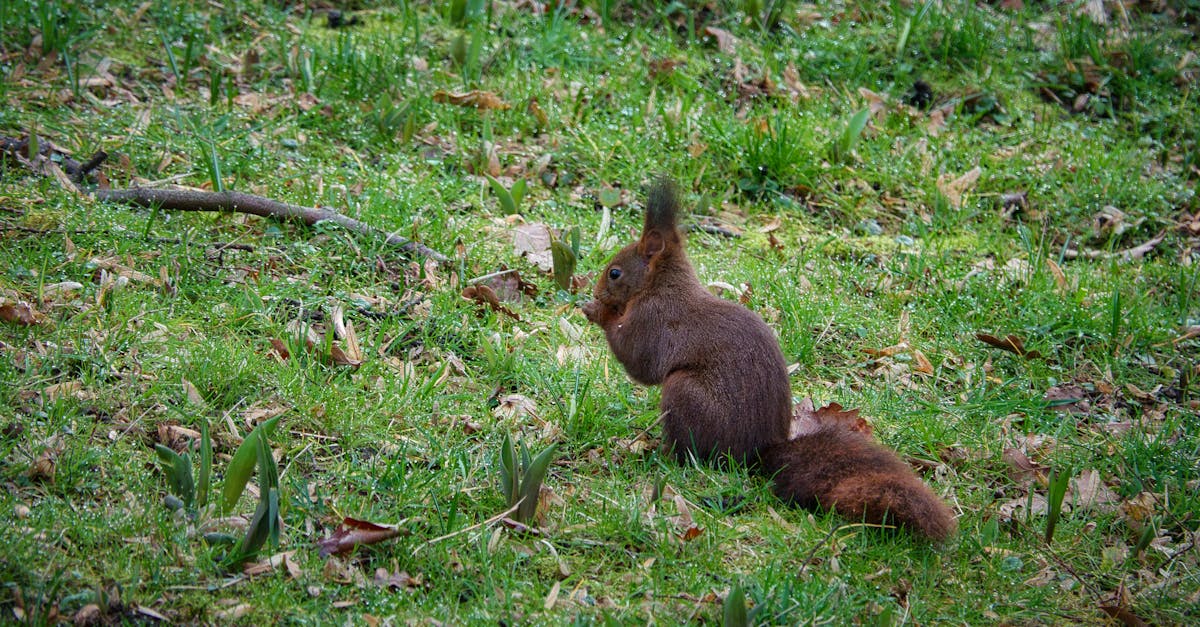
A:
480	279
497	517
191	200
194	200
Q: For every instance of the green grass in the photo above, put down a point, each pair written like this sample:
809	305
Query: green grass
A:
875	248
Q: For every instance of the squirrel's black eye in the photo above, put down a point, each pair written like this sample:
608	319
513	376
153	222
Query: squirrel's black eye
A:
614	274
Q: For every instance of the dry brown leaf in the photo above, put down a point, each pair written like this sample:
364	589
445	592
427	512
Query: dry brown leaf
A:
73	389
279	349
1023	470
921	363
889	351
1088	491
483	295
113	265
484	100
515	406
806	420
1010	343
234	613
532	241
44	467
1068	397
1060	277
353	532
1013	509
508	285
345	331
1124	615
397	580
193	394
954	189
286	560
726	42
19	312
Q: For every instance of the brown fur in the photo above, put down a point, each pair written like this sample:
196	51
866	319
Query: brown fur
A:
726	389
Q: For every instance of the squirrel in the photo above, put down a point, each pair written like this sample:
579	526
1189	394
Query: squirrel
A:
725	388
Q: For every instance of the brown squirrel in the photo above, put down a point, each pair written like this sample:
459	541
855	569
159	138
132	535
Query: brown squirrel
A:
726	390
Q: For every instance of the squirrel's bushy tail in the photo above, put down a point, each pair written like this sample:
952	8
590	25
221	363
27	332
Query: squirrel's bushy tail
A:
858	478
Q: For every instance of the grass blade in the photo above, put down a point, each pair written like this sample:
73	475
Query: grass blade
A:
735	608
1058	490
509	480
204	478
507	203
179	474
242	465
531	484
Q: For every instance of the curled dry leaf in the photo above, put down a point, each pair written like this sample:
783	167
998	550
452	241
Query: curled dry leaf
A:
484	100
806	420
508	285
483	295
1088	491
921	363
1010	343
279	349
71	389
515	406
532	241
1068	397
19	313
353	532
396	580
114	266
725	40
954	189
889	351
1014	509
1022	469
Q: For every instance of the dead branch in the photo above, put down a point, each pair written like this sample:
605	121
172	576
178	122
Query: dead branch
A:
189	200
195	200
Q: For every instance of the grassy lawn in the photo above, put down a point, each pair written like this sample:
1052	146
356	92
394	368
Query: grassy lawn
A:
882	182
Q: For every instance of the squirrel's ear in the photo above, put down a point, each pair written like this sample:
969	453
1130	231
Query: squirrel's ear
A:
651	244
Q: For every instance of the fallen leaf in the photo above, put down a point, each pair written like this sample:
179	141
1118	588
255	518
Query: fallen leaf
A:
279	349
72	389
485	100
922	363
1125	616
806	420
193	394
1023	470
954	189
398	580
532	241
286	560
725	40
1068	397
116	267
508	285
352	533
1037	504
888	351
1010	343
483	295
19	312
515	406
234	613
1088	491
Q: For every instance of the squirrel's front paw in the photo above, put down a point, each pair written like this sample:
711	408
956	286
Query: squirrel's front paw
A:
591	309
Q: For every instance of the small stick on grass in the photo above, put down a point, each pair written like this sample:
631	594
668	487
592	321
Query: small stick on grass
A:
194	200
502	515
